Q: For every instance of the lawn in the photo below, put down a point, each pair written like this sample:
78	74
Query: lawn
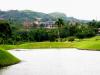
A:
36	45
7	59
87	43
90	43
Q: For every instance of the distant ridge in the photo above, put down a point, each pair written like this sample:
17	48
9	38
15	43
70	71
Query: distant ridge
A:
21	16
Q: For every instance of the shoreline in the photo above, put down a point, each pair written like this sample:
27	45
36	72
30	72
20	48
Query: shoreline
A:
51	49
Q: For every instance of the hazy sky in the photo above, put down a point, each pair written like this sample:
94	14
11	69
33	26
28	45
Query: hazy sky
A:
81	9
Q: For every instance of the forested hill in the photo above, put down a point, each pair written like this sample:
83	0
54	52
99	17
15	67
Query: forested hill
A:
20	16
56	15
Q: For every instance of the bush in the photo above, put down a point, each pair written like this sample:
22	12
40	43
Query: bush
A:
63	39
71	39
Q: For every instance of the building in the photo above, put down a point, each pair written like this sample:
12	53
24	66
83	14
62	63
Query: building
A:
27	24
98	33
47	24
37	22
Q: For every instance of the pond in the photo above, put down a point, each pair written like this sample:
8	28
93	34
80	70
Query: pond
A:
54	62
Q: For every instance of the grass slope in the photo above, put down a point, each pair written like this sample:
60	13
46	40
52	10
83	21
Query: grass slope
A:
7	59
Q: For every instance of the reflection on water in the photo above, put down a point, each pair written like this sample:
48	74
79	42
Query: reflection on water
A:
55	62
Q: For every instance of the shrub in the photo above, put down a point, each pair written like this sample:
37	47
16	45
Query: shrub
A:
71	39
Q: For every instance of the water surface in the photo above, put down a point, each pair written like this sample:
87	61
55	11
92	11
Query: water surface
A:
55	62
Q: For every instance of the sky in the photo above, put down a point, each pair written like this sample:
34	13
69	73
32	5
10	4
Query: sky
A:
80	9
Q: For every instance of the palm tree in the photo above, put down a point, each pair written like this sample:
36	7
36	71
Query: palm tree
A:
59	23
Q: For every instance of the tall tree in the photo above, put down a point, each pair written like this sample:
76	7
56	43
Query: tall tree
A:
5	30
59	23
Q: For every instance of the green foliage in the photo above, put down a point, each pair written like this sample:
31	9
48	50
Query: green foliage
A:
52	34
60	22
84	31
40	35
5	30
94	23
11	35
72	29
71	39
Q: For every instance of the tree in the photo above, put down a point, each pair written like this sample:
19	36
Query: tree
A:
84	31
93	23
72	29
5	30
52	34
60	24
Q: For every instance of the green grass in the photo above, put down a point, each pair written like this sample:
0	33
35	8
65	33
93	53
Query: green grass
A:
37	45
7	59
87	43
8	47
46	45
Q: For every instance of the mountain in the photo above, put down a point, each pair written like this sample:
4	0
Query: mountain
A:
58	15
21	16
63	16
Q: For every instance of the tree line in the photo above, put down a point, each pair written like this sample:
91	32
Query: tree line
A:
11	35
